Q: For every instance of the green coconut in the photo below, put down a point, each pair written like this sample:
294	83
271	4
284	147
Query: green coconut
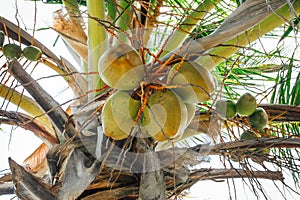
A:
246	104
32	53
2	38
12	51
165	116
121	67
195	82
248	135
259	119
118	115
226	108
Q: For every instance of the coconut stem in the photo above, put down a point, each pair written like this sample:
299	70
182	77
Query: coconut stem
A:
97	42
25	103
219	54
124	20
190	22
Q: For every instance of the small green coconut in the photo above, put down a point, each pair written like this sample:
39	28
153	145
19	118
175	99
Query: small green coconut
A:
246	104
226	108
2	38
12	51
259	119
248	135
32	53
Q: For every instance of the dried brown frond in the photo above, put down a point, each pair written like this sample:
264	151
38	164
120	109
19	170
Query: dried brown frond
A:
72	32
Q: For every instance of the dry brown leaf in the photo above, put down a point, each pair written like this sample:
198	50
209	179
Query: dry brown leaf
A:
37	163
72	32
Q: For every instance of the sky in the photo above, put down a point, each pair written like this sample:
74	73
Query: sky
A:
19	143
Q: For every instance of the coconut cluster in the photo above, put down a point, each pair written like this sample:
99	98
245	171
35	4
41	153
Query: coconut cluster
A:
158	111
245	106
258	119
12	50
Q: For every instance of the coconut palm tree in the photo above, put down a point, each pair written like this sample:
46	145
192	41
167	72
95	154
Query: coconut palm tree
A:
192	63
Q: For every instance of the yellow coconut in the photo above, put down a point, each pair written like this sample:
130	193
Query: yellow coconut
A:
118	115
197	83
165	116
121	67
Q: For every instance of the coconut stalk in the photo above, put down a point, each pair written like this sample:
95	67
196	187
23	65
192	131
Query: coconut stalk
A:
188	24
25	103
222	52
27	122
97	41
123	21
53	110
219	149
249	14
